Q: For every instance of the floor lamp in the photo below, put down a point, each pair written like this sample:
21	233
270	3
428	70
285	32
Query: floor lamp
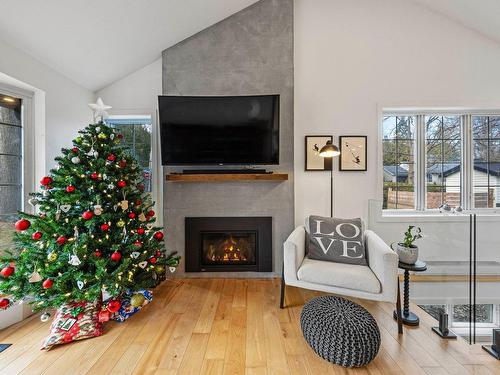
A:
330	151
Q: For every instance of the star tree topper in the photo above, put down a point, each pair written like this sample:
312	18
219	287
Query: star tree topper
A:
99	109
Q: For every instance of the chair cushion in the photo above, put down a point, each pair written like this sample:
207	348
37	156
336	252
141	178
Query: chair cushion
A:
349	276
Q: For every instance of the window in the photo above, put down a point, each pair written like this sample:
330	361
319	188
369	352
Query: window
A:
486	146
137	141
399	176
11	166
434	158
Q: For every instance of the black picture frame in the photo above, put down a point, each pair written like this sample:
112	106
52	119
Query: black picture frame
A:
313	162
347	160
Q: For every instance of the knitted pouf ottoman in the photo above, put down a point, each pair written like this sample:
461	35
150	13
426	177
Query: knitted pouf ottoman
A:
340	331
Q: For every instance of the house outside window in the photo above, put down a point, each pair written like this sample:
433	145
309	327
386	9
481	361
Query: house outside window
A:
431	158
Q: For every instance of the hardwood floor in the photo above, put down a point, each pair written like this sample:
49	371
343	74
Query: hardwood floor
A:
231	326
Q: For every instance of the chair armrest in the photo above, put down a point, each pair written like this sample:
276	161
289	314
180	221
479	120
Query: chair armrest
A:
383	261
293	253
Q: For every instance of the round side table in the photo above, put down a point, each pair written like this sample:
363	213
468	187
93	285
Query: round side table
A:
407	316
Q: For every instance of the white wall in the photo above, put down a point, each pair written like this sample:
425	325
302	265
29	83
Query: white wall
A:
138	90
66	108
353	57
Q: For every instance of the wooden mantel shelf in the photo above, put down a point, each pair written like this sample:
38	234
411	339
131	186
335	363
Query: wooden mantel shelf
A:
209	177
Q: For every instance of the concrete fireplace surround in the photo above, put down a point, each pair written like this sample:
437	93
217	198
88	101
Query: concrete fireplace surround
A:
249	53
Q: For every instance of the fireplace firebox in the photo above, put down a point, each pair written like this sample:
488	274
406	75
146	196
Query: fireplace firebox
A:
228	244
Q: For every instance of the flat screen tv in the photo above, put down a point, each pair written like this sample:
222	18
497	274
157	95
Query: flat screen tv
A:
219	130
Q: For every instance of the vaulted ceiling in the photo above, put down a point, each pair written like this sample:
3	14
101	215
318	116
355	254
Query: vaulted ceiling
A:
479	15
95	42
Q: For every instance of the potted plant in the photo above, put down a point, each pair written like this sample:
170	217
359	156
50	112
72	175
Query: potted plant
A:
406	250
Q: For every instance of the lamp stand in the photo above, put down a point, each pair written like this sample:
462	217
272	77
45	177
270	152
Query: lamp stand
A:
331	191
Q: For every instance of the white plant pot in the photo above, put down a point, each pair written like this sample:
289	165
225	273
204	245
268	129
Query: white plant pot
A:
407	255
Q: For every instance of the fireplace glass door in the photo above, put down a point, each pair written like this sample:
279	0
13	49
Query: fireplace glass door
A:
221	248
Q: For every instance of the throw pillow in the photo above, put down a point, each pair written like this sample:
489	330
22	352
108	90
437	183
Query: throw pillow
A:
335	240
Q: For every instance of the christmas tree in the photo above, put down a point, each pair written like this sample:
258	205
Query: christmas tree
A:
93	231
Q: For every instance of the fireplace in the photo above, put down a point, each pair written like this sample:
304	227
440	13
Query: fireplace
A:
228	244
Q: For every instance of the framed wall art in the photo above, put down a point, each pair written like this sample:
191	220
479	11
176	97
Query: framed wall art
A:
314	162
352	153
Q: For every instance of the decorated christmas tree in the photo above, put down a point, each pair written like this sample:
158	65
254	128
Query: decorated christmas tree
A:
93	231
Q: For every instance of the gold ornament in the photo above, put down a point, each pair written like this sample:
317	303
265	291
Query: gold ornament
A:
137	300
101	136
160	269
51	256
120	224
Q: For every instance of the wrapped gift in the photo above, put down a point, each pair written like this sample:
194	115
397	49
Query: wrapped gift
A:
131	303
74	321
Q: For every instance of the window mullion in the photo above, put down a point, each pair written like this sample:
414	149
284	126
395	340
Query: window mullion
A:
420	158
467	170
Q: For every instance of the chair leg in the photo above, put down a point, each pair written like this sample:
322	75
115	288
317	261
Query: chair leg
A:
398	310
282	293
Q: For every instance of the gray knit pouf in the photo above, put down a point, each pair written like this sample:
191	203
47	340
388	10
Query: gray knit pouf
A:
340	331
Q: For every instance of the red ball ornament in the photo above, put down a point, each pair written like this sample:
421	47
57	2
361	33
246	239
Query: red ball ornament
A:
158	236
98	253
22	224
138	202
131	215
4	303
111	157
47	284
137	244
116	256
61	240
7	271
70	188
121	184
123	163
37	235
104	227
141	231
74	149
158	253
46	181
150	213
94	175
152	260
87	215
120	136
113	305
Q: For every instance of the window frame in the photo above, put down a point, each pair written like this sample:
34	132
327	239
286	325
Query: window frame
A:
467	158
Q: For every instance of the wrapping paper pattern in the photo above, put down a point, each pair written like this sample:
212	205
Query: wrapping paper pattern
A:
126	309
74	321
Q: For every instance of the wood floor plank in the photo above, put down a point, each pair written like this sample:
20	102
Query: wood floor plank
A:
219	334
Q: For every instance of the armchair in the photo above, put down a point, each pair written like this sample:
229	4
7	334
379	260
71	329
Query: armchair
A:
376	282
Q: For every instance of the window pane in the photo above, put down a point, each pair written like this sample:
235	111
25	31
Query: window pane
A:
398	159
484	313
443	153
137	142
486	176
480	127
11	177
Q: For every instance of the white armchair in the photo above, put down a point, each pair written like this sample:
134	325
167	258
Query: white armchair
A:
377	282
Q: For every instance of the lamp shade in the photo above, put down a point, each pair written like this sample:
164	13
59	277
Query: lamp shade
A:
329	150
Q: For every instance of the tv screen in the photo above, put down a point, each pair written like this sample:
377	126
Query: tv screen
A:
220	130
